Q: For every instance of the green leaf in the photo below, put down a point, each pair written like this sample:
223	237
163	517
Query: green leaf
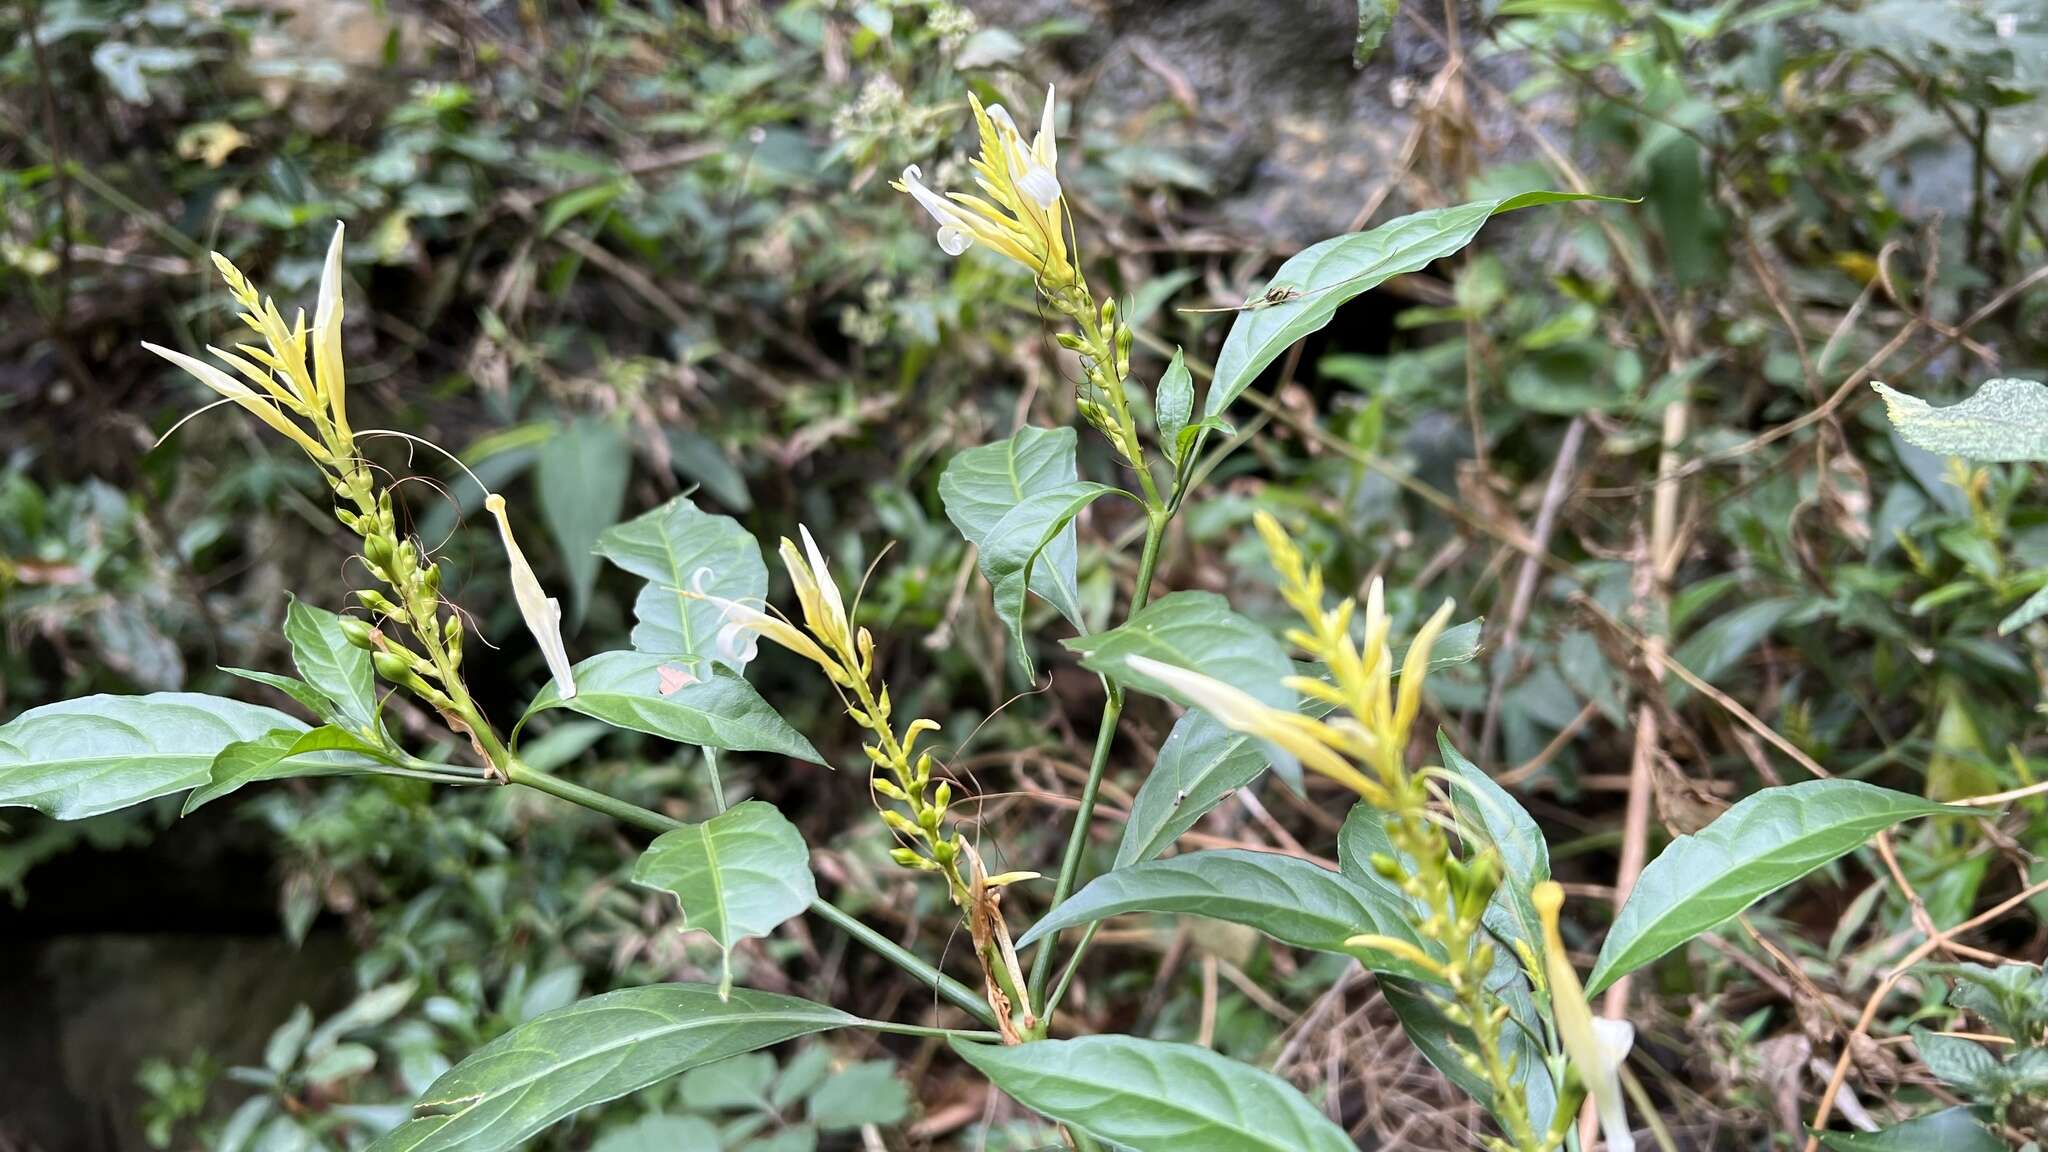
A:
1323	276
1375	17
705	704
1012	549
582	474
83	757
982	485
2035	607
1150	1096
2007	420
1290	899
1763	843
669	547
592	1051
1195	630
739	1083
738	875
659	1133
287	752
1199	766
1965	1065
1174	405
1951	1130
335	668
307	696
864	1093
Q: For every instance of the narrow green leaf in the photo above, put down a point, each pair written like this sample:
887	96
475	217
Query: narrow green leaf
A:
1763	843
1290	899
1151	1096
287	752
1174	404
678	548
689	701
581	476
592	1051
83	757
2035	607
738	875
1324	276
2007	420
335	668
307	696
981	486
1951	1130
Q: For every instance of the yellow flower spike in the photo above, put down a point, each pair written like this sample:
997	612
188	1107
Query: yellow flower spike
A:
1021	214
1415	669
254	403
328	382
1291	732
1596	1045
542	612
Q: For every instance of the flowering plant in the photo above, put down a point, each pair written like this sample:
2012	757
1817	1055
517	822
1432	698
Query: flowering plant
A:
1444	891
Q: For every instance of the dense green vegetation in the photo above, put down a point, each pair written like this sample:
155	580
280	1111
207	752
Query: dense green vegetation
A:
1528	428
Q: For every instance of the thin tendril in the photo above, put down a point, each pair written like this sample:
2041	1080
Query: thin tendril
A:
486	488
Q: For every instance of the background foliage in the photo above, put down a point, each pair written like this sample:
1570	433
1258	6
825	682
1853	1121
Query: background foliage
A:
611	252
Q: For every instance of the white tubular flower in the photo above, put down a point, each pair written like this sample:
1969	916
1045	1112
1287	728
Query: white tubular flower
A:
1596	1045
743	623
251	401
956	232
327	370
542	612
1290	732
1041	177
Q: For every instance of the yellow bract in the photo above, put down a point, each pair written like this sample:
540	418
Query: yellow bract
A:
307	406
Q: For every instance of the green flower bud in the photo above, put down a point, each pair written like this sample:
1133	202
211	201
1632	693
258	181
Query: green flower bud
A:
394	665
359	632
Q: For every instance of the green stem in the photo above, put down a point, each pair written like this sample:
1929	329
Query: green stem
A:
1105	736
955	992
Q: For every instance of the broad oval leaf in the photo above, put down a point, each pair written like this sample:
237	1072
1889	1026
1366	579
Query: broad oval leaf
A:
668	547
1152	1096
687	700
83	757
1322	277
1195	630
1011	552
337	669
1290	899
738	875
592	1051
2007	420
981	485
1763	843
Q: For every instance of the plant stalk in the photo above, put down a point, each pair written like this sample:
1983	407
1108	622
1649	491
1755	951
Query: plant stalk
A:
1105	736
956	993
